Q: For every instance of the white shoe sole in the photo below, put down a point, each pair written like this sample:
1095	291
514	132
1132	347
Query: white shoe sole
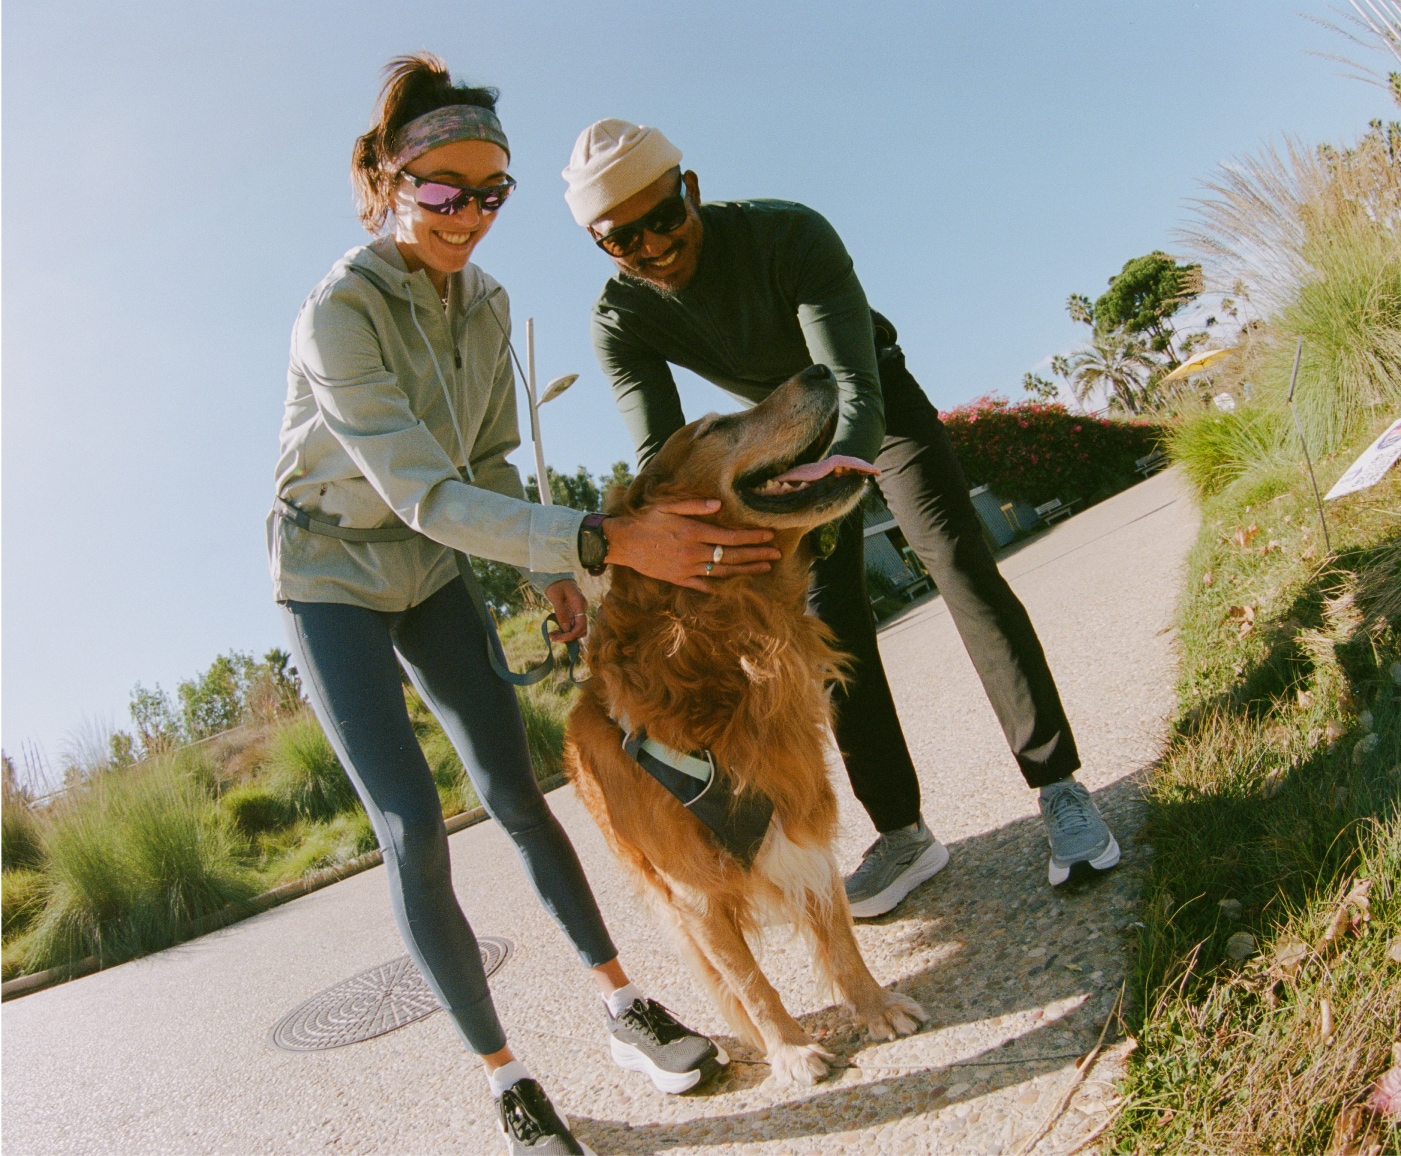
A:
632	1059
1109	857
925	867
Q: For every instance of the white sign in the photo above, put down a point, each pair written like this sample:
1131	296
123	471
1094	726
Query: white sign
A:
1376	459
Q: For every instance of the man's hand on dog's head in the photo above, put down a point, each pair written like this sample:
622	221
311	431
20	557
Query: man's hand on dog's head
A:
669	542
571	610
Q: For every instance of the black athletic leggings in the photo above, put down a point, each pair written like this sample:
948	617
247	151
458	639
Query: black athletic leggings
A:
346	656
924	486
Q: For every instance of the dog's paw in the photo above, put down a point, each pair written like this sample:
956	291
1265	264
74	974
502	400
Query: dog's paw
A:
800	1063
899	1016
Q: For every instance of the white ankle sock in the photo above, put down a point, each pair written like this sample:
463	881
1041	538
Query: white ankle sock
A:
505	1076
621	999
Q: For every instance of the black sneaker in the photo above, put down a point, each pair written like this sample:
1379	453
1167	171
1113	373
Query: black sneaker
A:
649	1039
530	1124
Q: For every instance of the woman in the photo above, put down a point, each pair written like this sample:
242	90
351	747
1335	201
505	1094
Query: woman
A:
400	412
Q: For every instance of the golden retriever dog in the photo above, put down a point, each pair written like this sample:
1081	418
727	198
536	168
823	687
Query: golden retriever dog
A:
739	678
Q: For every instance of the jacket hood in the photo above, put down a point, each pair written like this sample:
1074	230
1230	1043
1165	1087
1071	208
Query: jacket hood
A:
381	263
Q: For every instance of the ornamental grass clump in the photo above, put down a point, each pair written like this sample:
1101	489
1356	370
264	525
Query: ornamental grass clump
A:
1312	241
131	861
304	773
20	842
1214	449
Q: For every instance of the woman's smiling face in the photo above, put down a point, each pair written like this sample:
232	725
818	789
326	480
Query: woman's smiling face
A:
441	243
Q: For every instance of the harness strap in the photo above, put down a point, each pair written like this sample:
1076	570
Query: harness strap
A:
738	822
496	656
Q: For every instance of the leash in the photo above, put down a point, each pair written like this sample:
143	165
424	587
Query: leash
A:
496	656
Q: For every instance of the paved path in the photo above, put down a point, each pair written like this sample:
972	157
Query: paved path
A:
170	1054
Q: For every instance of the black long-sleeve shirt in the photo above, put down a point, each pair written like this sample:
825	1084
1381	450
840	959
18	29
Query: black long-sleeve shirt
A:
775	292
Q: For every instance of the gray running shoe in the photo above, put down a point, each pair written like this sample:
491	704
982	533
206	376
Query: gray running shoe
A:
1081	841
649	1039
530	1125
892	867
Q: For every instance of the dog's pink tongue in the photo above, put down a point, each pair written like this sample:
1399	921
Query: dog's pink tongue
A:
815	470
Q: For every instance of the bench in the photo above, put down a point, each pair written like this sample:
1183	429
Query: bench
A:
1151	464
1052	511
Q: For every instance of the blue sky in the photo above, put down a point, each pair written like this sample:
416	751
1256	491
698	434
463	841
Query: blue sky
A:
176	183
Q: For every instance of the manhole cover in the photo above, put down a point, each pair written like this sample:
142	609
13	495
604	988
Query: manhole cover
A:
369	1004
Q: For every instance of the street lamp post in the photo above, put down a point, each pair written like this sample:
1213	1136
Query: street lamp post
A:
552	391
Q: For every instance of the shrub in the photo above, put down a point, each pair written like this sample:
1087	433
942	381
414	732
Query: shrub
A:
20	841
305	774
131	860
1312	239
544	711
1215	449
21	899
322	845
1034	451
253	809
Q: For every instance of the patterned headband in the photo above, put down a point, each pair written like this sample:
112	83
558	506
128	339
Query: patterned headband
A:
452	122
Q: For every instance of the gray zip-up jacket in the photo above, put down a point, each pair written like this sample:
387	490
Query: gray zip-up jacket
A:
397	407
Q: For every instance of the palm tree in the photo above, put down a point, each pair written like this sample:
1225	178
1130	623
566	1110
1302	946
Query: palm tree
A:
1115	363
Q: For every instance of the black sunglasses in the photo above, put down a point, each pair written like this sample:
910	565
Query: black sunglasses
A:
666	217
441	197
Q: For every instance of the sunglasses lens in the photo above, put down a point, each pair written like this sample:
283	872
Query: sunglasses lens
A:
493	198
621	242
438	198
667	217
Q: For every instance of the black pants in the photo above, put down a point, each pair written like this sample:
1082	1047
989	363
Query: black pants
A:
924	486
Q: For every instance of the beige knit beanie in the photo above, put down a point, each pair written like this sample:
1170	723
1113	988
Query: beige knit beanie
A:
612	160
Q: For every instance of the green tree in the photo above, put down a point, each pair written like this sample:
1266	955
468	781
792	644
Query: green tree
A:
619	475
1142	299
213	700
1040	388
1115	363
578	490
503	586
157	724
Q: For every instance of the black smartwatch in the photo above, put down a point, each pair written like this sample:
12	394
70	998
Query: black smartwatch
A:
593	544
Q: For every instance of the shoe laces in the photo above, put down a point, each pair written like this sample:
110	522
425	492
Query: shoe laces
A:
877	851
1069	811
654	1021
525	1125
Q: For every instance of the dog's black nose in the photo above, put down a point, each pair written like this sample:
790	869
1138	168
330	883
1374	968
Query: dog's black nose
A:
816	373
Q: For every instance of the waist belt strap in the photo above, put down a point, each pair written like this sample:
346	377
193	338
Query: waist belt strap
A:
402	533
299	517
738	822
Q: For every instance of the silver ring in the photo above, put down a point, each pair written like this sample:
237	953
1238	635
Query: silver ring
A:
719	555
709	566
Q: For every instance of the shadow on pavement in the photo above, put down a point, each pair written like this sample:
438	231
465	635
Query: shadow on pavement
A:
981	916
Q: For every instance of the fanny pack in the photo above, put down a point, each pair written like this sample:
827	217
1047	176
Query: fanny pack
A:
402	533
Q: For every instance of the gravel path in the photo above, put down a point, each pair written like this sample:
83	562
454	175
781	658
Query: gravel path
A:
170	1054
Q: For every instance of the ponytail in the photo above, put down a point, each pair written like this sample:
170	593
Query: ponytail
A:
413	85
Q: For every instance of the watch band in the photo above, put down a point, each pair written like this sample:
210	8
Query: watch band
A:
593	544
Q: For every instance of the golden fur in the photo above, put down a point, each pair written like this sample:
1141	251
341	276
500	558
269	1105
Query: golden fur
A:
741	672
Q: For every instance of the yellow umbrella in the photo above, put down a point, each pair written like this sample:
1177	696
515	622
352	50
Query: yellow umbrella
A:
1197	363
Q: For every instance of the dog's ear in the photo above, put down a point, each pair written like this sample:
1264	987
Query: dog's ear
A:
658	480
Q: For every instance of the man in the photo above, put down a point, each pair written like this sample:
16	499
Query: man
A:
746	294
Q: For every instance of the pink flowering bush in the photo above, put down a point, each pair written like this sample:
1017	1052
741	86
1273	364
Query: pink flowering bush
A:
1038	451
